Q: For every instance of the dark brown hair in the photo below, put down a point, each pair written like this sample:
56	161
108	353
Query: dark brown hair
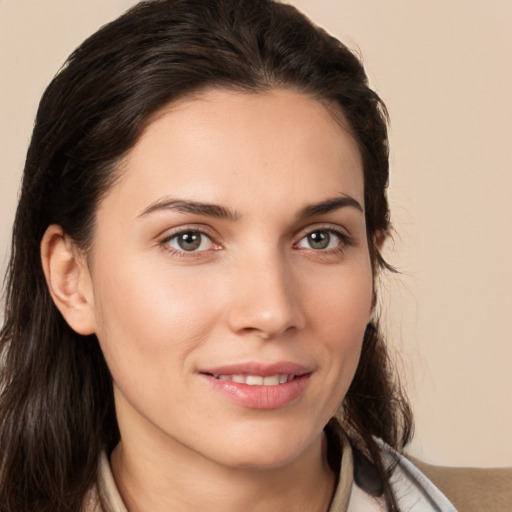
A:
56	404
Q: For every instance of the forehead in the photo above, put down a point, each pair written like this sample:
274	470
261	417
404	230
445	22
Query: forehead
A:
223	145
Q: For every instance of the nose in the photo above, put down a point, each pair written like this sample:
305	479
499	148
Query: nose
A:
265	298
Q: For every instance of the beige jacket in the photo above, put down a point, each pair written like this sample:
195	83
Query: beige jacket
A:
419	487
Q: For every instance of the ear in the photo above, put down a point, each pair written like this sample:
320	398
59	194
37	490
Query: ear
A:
379	238
68	279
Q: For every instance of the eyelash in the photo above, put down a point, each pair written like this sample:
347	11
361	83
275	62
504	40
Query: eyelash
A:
164	242
345	241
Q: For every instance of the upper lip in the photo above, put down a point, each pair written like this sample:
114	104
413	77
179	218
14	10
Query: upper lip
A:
258	368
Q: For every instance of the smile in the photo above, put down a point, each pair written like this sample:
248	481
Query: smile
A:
258	380
259	385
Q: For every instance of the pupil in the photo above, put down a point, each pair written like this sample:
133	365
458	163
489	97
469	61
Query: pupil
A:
319	239
189	241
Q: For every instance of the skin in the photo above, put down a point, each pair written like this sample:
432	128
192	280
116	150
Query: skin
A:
256	289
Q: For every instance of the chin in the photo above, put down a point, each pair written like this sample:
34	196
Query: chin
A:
261	459
266	449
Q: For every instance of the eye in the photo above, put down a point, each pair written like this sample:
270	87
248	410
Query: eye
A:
189	241
322	239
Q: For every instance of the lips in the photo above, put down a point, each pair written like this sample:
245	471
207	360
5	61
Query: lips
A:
259	386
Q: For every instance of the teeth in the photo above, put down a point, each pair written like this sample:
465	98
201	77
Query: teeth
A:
258	380
271	381
254	380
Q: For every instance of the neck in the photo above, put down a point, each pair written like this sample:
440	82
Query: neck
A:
156	480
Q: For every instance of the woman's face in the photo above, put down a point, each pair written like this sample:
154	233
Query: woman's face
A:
230	277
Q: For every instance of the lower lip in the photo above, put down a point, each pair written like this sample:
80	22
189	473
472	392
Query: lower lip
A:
261	397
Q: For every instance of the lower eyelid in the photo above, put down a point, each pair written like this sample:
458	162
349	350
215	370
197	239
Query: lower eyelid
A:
165	241
345	239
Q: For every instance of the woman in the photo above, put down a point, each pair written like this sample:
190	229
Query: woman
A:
190	298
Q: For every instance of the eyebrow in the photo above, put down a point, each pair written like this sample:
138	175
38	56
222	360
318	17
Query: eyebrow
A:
329	205
221	212
194	207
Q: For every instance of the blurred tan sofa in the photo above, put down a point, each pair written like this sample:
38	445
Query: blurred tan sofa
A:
472	489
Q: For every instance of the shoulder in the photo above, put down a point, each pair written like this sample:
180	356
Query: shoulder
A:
471	489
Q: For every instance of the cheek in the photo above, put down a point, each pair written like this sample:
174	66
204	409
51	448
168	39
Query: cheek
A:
338	313
149	322
343	327
340	303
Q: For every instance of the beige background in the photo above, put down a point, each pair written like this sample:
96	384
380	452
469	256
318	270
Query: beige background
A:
444	70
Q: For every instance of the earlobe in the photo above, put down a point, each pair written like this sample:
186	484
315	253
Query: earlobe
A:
379	238
373	312
68	280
